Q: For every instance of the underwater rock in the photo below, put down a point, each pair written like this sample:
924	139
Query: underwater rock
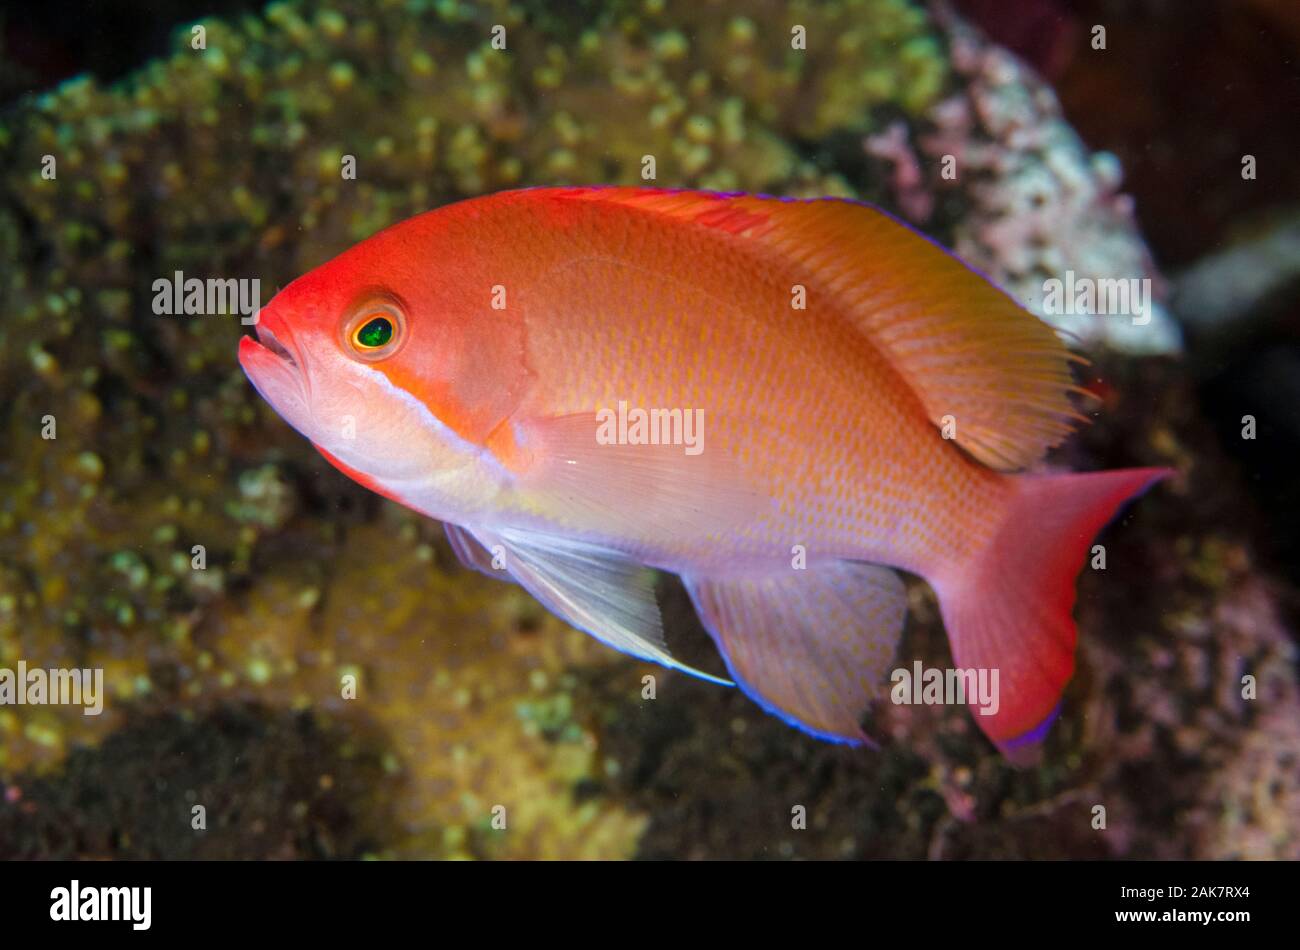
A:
1243	286
1034	205
172	531
154	513
177	786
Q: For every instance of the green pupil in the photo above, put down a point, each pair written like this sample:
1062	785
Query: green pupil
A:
375	333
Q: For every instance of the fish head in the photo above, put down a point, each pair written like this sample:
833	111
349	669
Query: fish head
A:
362	356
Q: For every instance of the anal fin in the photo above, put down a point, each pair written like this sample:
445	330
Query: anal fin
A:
813	646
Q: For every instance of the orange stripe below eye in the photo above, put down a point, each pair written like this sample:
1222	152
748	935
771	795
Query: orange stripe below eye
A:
439	398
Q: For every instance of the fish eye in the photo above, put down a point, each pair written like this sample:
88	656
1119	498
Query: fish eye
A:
375	329
375	333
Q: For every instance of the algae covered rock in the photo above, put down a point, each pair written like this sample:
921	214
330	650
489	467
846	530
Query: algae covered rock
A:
159	522
155	513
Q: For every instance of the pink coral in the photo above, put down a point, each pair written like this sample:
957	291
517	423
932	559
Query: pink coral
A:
1039	203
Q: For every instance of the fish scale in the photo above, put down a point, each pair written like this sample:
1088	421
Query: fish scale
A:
804	372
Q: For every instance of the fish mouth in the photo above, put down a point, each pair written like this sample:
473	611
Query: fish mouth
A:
269	341
276	372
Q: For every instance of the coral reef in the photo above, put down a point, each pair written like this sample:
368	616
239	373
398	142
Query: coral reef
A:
1034	202
246	783
154	511
159	522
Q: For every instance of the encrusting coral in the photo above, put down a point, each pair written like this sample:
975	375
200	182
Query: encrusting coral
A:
228	160
159	522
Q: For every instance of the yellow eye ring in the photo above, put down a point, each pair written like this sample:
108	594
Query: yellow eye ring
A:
375	330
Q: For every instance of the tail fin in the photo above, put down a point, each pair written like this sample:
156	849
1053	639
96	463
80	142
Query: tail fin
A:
1010	607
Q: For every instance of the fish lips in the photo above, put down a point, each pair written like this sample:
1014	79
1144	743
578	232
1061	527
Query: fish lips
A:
272	364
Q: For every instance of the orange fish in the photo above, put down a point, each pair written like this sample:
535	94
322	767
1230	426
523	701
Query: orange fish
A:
782	401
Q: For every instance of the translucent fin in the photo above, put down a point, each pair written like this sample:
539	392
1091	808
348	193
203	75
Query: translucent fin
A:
471	553
599	591
813	647
634	491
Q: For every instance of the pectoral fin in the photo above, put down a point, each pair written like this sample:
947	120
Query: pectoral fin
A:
642	491
813	647
597	590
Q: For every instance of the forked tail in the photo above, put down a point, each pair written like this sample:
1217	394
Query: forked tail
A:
1010	607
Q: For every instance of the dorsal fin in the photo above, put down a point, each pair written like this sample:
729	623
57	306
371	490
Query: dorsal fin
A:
966	348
